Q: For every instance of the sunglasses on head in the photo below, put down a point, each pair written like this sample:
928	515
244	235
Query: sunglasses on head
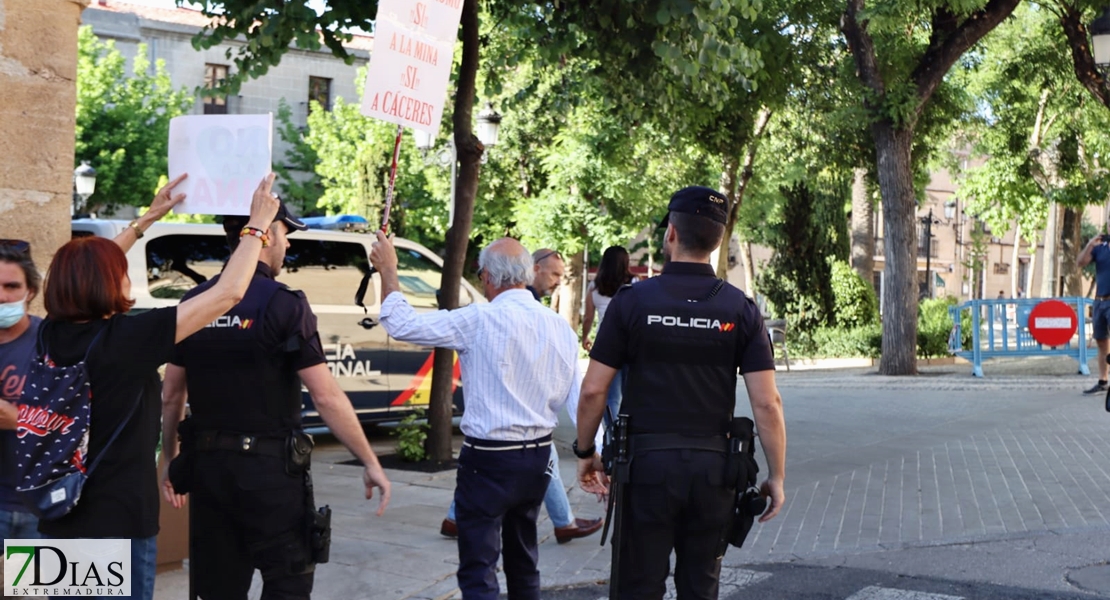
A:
544	257
17	245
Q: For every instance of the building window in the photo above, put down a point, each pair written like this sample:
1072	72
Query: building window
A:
213	77
319	89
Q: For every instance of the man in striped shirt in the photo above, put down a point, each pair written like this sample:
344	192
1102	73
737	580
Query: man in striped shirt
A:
519	363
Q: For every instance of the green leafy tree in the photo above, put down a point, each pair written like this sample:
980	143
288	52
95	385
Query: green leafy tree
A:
300	185
854	300
902	52
1041	136
123	120
798	279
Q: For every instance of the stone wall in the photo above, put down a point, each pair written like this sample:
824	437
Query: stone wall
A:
38	68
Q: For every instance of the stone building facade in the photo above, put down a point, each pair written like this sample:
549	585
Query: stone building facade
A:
38	68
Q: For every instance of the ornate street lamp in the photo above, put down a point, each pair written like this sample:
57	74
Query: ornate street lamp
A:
1100	39
489	123
84	184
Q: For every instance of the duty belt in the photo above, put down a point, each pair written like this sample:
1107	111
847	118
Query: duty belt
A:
502	445
644	442
238	442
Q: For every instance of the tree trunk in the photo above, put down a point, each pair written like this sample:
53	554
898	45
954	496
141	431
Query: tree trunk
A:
1027	285
749	268
728	186
1014	263
893	148
863	227
1070	246
735	187
1051	244
469	154
570	291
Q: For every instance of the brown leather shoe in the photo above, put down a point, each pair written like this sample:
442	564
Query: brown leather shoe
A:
581	528
449	529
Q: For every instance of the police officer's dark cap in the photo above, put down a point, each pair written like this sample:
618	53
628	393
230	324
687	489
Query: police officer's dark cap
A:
237	222
700	201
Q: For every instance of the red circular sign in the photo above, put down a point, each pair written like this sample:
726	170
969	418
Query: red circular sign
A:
1052	323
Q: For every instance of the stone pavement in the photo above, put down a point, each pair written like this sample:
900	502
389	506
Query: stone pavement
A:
1005	478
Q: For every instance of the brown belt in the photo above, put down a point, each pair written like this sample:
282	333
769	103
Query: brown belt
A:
1102	298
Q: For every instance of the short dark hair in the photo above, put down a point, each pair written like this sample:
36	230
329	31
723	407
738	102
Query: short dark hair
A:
85	281
697	234
20	255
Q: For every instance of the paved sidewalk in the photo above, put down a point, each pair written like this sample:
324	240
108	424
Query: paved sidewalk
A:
1005	478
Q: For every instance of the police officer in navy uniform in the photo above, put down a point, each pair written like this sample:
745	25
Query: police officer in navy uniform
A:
244	458
683	336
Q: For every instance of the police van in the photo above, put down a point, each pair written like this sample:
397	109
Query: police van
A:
386	379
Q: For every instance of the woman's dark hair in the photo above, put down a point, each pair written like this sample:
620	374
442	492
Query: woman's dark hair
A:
85	281
20	255
613	271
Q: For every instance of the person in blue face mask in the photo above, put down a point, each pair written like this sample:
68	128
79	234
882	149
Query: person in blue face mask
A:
19	284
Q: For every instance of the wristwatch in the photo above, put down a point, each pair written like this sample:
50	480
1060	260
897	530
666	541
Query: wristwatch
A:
135	226
587	453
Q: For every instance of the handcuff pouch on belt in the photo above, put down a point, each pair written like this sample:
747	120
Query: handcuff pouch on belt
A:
741	470
298	455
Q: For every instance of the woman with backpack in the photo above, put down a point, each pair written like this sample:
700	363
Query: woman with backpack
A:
87	297
612	274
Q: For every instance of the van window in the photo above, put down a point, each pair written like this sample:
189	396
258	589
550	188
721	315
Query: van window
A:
327	272
419	278
176	264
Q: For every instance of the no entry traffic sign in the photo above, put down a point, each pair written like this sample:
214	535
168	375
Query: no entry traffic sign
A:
1052	323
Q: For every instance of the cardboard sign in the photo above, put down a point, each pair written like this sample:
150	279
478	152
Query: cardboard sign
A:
414	43
226	156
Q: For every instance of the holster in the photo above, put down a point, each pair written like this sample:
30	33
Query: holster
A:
181	467
317	525
740	475
616	457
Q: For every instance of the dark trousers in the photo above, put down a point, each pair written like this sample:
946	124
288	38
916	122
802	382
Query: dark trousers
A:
497	498
248	514
676	500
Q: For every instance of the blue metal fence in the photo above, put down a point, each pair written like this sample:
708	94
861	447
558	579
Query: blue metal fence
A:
1000	327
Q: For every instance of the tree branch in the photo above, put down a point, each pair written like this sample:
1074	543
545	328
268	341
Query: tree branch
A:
946	45
1083	61
863	49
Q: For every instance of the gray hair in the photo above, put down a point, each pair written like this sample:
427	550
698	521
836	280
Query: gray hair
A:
506	270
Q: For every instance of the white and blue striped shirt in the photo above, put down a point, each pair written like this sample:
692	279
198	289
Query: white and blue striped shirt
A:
519	360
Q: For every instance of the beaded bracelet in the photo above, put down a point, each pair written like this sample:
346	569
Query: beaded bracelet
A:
256	232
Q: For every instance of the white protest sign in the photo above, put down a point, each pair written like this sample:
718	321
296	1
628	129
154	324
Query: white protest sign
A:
414	43
226	156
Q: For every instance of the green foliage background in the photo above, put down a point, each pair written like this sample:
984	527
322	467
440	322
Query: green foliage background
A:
123	121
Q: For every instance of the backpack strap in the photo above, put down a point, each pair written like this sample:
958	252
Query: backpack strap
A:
115	434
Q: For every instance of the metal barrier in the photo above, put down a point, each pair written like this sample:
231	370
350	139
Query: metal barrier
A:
1000	327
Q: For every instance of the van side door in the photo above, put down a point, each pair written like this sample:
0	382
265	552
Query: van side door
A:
357	350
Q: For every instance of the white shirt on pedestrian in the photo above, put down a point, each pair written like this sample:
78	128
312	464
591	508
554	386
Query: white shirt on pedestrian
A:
519	360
